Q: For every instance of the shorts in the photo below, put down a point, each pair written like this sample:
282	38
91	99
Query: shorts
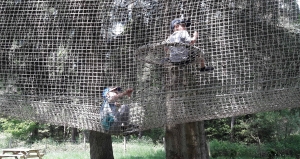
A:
190	59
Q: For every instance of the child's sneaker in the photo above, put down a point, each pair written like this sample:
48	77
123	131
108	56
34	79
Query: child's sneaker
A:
206	69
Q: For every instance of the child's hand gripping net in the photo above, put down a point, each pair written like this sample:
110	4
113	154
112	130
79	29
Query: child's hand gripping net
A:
129	92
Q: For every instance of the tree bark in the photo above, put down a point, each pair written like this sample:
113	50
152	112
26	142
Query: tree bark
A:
75	134
100	146
186	141
204	149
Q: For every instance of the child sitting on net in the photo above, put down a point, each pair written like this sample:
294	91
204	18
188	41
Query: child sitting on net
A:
113	114
181	55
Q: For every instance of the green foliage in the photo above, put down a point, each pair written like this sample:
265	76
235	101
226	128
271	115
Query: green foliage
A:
218	129
226	149
287	146
223	148
17	128
259	127
249	150
267	126
156	135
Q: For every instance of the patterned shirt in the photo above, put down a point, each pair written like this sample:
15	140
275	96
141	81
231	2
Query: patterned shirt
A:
109	105
179	53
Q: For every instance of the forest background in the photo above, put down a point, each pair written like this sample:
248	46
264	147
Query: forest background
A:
267	134
262	135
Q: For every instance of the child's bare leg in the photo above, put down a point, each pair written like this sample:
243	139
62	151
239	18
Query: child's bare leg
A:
202	63
200	60
203	67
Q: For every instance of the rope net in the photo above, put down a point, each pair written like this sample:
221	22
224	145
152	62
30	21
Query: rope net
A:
57	57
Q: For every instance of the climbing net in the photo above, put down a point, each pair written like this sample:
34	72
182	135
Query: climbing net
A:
56	58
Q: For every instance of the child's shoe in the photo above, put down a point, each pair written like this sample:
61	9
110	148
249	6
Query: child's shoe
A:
206	69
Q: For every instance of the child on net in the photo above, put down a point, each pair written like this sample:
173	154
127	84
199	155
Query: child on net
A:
181	55
114	115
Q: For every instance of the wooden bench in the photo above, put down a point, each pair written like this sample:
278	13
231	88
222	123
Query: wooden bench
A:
21	153
12	155
32	156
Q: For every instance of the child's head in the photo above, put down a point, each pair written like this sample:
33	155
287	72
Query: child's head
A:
116	89
179	24
110	89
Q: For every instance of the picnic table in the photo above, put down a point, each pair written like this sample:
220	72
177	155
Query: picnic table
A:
21	153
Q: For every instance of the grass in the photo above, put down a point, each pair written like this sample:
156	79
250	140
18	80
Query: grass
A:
135	149
138	150
68	155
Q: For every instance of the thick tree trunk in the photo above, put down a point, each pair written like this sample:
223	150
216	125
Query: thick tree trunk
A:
186	141
100	145
204	149
183	141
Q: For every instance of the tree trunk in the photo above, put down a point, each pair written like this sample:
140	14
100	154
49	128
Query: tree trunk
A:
35	133
86	134
75	134
204	149
100	145
52	131
232	128
186	141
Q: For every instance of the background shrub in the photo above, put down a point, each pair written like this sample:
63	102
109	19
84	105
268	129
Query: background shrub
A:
223	148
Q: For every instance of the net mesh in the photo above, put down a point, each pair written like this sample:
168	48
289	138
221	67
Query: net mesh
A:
56	57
